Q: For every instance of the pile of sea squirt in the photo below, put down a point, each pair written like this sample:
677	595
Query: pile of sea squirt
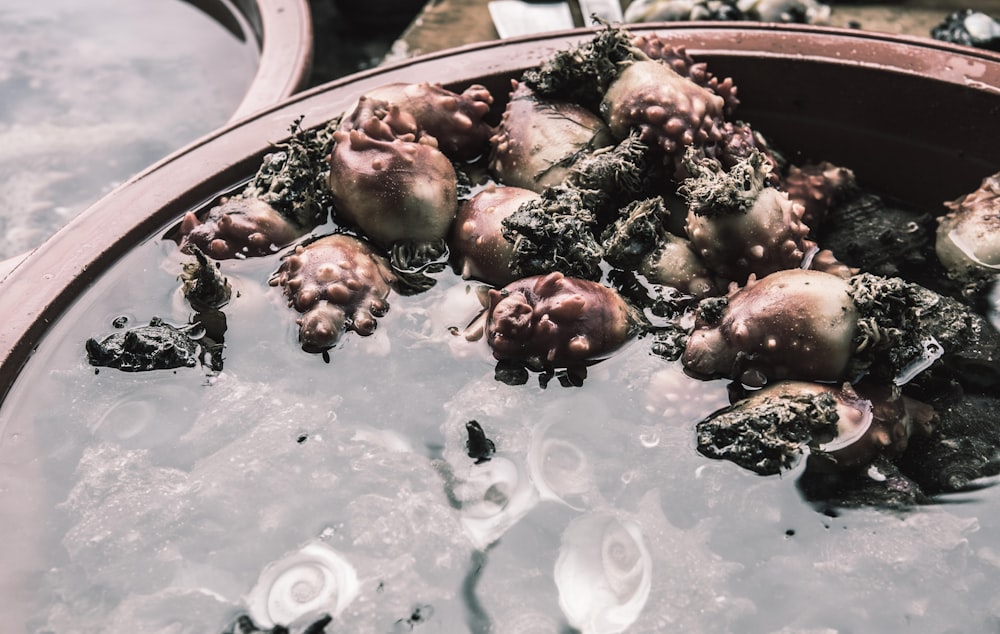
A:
619	197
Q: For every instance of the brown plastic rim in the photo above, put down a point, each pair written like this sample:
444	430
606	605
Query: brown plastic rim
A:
283	32
915	117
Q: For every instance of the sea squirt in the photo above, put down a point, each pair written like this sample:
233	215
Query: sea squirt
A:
394	188
739	225
339	283
539	140
478	246
968	236
239	227
794	323
554	321
456	120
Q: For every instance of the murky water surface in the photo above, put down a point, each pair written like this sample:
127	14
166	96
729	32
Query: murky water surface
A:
172	501
93	92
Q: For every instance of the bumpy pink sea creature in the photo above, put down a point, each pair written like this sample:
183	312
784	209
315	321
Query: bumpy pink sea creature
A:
739	141
669	111
554	321
477	244
845	427
456	120
683	64
737	224
539	140
968	237
338	283
817	187
394	188
795	323
239	227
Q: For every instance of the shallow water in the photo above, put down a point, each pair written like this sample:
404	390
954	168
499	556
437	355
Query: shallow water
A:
93	92
172	501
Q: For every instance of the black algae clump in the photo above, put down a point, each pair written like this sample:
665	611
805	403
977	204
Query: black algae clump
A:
904	328
769	436
637	233
711	190
554	234
610	176
292	178
583	73
156	346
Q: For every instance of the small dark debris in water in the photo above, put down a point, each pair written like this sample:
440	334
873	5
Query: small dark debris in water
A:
155	346
969	28
326	356
480	448
416	263
245	625
120	322
420	614
790	532
567	377
302	438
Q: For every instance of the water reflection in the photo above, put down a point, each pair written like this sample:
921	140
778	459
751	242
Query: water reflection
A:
93	92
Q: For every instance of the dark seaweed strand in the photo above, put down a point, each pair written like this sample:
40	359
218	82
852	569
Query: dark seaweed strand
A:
292	178
711	190
769	437
554	233
583	73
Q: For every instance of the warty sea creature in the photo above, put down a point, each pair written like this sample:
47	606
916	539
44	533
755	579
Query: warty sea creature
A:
554	321
539	140
338	282
478	247
968	236
392	187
